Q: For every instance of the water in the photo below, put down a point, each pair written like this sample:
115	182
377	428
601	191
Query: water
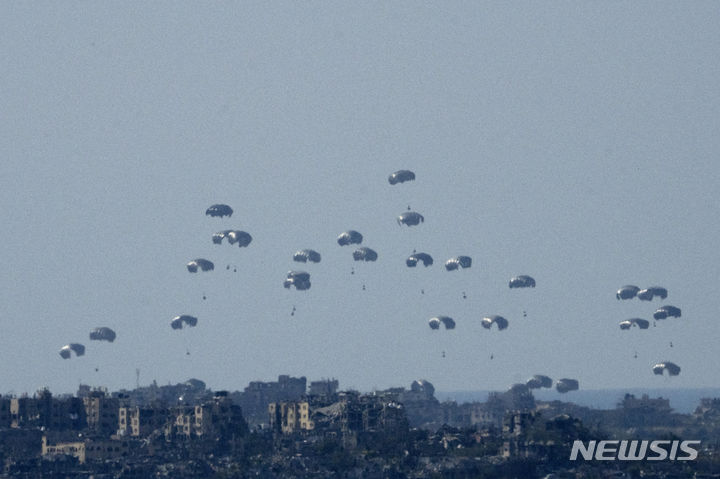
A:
681	400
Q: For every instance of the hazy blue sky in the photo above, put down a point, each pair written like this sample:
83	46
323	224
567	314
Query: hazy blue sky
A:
578	142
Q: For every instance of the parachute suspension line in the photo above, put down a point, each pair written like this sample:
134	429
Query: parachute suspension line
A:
186	342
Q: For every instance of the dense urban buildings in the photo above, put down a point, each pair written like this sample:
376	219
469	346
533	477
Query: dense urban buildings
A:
289	428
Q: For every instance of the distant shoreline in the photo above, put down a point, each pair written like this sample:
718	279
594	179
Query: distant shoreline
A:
682	401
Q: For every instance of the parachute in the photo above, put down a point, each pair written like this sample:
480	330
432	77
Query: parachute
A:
349	237
522	281
565	385
177	321
240	237
422	386
446	320
501	322
203	264
672	368
413	259
219	210
539	381
102	334
664	312
458	262
639	322
365	254
67	350
410	218
648	293
627	292
401	176
518	389
299	279
305	255
219	236
233	236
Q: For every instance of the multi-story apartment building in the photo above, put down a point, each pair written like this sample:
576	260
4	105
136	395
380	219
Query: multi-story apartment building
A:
141	422
101	412
291	416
